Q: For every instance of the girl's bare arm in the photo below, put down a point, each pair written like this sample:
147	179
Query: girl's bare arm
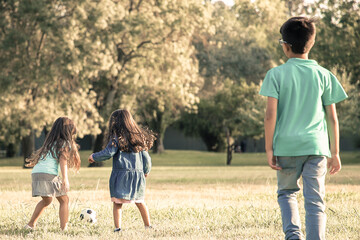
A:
64	173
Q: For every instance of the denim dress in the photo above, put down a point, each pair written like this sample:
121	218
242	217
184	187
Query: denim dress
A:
127	180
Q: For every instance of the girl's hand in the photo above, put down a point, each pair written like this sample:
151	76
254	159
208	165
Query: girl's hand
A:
66	186
146	175
90	159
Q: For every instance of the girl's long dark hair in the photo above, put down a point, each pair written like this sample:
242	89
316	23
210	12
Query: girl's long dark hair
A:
131	138
59	142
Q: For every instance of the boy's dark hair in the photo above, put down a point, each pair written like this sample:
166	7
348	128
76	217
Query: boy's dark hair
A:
298	31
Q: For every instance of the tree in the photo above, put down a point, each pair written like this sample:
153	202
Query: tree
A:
132	40
173	86
37	50
236	110
348	110
233	58
338	36
298	7
236	46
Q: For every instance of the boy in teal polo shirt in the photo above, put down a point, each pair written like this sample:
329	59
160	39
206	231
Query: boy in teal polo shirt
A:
300	120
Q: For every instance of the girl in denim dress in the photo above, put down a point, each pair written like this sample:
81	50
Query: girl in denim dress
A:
128	145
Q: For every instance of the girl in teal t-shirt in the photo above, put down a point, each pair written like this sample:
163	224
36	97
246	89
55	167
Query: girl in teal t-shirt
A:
58	150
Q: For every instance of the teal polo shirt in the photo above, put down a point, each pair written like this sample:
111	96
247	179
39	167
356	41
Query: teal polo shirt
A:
303	89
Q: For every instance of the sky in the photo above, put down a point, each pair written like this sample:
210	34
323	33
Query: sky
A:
231	2
227	2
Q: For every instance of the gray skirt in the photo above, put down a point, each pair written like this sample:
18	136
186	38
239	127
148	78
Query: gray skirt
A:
46	185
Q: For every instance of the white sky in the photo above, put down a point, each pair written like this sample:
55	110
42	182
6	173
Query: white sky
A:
231	2
227	2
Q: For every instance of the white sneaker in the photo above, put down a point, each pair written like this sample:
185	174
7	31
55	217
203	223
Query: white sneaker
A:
27	227
65	228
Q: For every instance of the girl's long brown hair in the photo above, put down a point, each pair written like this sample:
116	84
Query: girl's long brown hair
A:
59	142
131	138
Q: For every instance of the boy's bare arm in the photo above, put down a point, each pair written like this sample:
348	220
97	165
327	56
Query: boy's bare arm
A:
270	122
334	163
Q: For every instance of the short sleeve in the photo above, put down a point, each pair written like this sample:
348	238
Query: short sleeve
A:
270	87
333	91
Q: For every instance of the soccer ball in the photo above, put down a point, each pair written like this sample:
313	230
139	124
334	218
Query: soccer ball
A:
88	215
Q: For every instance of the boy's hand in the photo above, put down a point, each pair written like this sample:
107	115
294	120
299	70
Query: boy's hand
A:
146	174
90	159
334	164
272	160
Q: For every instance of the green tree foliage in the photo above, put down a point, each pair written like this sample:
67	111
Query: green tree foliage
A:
262	19
239	43
173	86
348	110
60	53
237	109
298	7
338	36
145	57
234	56
36	84
159	59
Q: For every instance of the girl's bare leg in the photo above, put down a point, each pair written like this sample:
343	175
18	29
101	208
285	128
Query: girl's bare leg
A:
144	213
38	210
63	211
117	214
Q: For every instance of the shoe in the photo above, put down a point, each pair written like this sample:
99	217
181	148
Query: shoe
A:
148	227
27	227
65	228
117	230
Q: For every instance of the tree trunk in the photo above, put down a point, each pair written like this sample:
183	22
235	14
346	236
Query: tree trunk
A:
159	125
98	147
214	143
159	145
98	144
229	148
11	150
28	146
255	145
229	155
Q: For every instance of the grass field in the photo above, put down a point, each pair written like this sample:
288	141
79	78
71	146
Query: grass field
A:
195	158
190	195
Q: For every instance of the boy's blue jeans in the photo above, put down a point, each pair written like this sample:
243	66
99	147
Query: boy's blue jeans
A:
313	170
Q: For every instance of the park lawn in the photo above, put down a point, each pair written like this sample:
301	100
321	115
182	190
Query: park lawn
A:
194	158
202	200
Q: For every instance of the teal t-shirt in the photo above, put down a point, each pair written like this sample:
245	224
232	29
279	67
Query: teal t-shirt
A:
303	89
48	165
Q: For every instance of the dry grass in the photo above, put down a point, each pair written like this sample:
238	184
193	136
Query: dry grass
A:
184	203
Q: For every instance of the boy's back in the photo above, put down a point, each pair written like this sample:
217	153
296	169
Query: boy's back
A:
302	88
300	121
